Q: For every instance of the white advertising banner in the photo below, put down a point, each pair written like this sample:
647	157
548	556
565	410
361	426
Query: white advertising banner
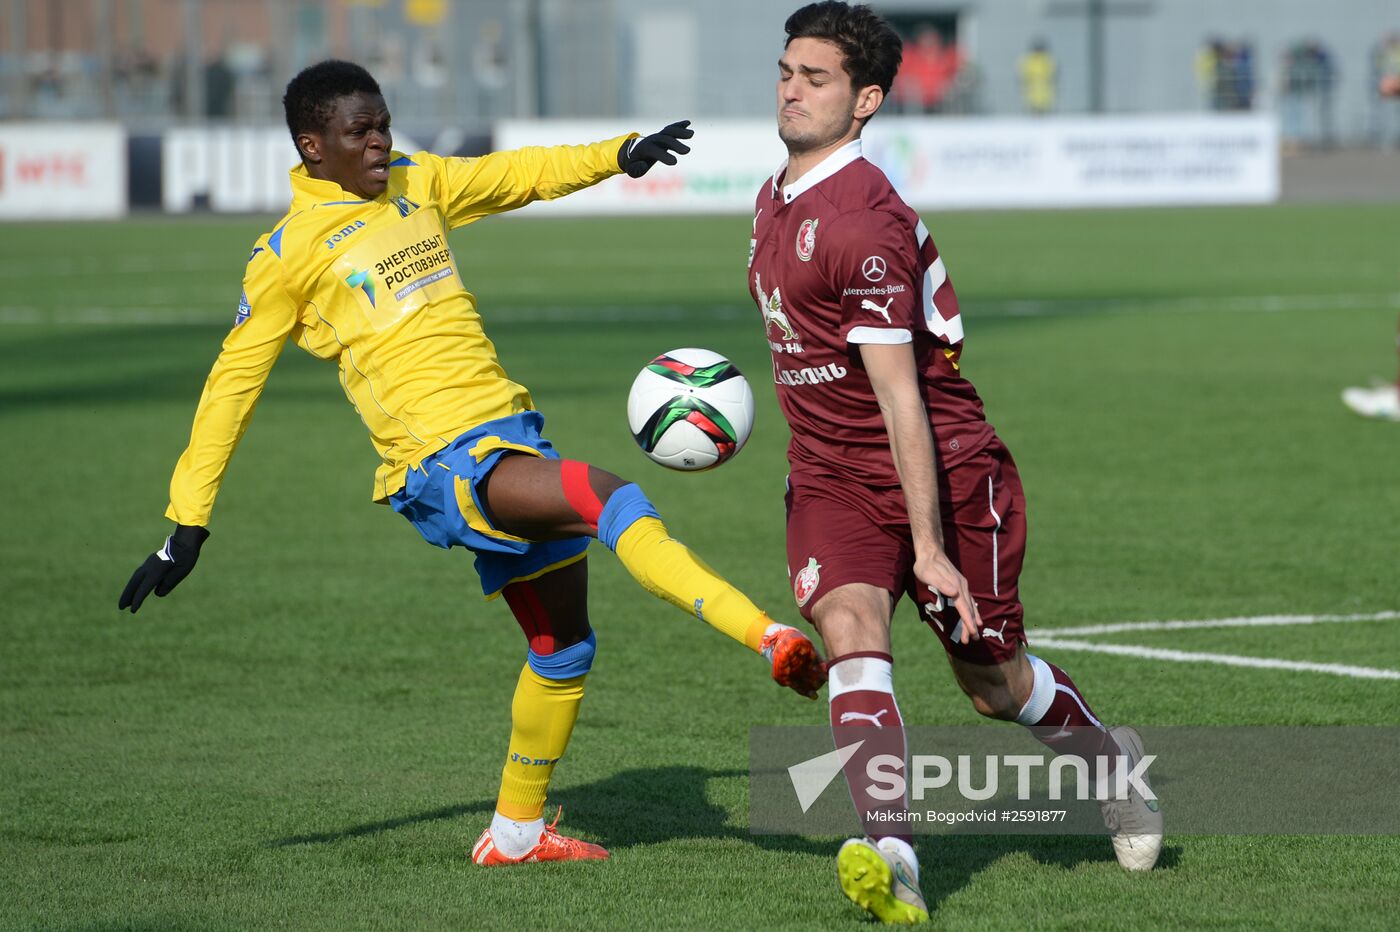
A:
232	169
62	171
227	169
1114	161
728	161
1118	161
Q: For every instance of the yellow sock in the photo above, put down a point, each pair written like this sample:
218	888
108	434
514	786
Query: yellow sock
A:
542	717
667	569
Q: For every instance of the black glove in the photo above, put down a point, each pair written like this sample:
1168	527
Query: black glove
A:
637	155
164	569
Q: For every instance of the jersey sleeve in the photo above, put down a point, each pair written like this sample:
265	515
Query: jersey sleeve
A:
472	188
266	315
871	263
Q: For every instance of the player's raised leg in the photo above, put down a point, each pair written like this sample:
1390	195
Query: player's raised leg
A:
1058	715
1035	693
545	499
552	611
987	538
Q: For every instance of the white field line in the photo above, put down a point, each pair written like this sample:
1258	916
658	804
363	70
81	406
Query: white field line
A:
1229	660
1232	304
1257	621
108	266
141	311
1063	639
114	316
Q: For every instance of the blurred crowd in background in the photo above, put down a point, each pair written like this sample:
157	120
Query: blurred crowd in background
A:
1305	87
154	62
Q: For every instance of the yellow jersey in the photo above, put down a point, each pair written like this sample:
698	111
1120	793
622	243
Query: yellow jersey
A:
372	285
1038	73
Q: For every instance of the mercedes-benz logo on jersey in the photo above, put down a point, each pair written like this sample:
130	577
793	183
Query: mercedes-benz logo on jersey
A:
873	268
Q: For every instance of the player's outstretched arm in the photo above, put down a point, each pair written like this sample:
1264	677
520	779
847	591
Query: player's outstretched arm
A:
164	569
471	188
638	155
266	317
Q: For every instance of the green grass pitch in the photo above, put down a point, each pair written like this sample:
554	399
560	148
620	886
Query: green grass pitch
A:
309	732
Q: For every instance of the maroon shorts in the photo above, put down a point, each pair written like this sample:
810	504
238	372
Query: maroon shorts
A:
839	533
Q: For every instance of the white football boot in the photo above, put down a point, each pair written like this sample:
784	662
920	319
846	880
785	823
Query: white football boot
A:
879	880
1135	822
1381	402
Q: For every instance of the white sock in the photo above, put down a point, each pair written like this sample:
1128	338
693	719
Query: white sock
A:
860	674
773	628
515	839
903	849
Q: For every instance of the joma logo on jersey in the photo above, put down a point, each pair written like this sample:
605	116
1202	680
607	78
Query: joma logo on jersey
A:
342	233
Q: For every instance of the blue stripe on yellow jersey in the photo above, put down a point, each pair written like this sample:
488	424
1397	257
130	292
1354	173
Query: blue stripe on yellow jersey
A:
373	286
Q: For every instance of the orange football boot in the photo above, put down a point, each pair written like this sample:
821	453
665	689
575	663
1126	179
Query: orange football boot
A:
796	662
551	847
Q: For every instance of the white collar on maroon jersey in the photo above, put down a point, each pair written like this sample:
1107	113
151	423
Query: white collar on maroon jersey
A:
823	170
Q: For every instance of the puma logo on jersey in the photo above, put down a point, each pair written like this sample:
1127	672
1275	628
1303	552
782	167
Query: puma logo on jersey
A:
998	633
884	310
848	717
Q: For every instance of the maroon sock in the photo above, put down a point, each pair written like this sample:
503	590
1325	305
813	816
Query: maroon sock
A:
1066	725
863	711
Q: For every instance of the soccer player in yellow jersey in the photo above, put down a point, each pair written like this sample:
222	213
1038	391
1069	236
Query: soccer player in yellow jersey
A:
359	271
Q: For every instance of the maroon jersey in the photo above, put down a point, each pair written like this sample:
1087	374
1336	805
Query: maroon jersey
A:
837	260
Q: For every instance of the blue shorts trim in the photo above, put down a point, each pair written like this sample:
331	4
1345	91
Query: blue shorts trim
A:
441	499
574	660
625	507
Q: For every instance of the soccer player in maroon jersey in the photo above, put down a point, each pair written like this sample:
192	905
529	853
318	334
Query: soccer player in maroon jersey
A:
898	485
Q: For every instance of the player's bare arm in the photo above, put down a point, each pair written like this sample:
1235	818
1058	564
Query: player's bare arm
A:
894	378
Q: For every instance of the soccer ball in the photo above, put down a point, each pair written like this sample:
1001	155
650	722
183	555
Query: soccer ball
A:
690	409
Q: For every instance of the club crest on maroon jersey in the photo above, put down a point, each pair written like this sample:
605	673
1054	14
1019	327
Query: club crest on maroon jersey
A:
806	581
806	240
